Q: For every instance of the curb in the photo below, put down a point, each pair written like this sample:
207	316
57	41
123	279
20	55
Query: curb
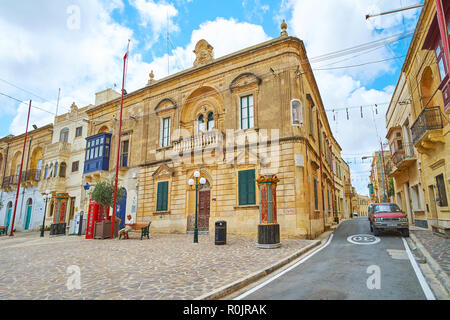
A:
234	286
439	273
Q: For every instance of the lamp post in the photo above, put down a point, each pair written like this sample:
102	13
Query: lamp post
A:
196	181
47	196
382	173
86	187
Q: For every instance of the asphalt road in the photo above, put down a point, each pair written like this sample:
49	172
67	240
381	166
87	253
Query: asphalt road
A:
340	271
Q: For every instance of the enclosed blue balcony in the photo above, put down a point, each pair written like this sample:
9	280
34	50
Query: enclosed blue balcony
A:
97	153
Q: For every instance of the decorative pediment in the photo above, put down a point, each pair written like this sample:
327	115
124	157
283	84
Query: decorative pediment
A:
203	53
165	104
245	79
163	171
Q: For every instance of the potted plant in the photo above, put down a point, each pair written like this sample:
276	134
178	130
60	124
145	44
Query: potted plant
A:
103	194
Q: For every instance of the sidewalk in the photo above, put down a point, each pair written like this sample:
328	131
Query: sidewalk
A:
436	250
162	267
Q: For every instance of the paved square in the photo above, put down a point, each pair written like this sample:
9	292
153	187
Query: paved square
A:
163	267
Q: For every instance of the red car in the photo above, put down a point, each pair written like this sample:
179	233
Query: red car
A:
388	216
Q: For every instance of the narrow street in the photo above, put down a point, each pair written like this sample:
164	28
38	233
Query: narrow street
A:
340	271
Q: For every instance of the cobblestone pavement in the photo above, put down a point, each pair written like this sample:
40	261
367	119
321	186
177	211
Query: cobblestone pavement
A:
162	267
438	247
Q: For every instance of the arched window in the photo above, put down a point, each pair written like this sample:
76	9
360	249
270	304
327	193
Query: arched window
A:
46	171
296	112
200	124
62	170
64	135
55	171
210	124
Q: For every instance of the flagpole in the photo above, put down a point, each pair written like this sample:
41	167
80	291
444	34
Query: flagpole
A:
20	173
118	145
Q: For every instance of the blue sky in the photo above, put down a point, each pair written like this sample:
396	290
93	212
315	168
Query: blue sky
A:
77	45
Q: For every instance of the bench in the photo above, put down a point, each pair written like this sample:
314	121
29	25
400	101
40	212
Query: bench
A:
142	228
3	230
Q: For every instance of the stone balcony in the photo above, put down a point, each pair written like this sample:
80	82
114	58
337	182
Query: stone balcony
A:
57	184
59	150
200	141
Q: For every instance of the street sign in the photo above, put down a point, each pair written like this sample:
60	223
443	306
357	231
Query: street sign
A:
364	239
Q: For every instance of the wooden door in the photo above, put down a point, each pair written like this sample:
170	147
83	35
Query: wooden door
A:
203	210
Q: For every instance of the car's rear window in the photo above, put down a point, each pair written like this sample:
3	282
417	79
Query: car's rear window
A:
387	208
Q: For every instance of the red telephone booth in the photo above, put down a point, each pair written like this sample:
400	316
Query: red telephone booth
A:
92	218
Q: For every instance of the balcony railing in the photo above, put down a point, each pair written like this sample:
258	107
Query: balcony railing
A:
407	152
429	119
10	181
27	176
199	141
31	175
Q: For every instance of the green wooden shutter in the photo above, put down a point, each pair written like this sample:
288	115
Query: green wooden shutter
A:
159	197
242	187
246	184
165	201
251	187
162	196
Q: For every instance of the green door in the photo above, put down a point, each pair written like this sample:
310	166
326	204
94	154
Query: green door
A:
28	219
8	218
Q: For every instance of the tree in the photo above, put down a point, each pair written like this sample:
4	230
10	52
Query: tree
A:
103	193
391	190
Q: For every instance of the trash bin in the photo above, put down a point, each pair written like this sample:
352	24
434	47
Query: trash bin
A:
221	232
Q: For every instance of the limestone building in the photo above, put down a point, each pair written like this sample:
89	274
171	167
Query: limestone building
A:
30	204
426	78
253	112
63	166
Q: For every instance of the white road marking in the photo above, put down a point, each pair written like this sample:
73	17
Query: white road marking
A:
423	283
397	254
283	272
364	239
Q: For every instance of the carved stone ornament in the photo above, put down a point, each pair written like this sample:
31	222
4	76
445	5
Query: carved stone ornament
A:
73	107
203	52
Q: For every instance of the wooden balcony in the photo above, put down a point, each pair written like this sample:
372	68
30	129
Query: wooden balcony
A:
206	140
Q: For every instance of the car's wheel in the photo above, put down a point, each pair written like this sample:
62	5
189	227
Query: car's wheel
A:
376	231
405	233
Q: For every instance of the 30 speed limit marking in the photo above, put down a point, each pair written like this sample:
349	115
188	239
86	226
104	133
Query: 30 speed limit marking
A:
363	239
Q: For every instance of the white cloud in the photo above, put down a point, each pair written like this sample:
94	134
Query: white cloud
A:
233	36
328	26
43	54
159	15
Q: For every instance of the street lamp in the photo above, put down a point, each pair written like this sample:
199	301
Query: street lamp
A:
47	196
86	187
196	182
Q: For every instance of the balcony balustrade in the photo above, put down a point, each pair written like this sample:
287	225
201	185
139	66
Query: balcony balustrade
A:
404	156
200	141
429	119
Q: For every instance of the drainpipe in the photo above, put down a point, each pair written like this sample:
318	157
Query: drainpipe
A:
320	158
